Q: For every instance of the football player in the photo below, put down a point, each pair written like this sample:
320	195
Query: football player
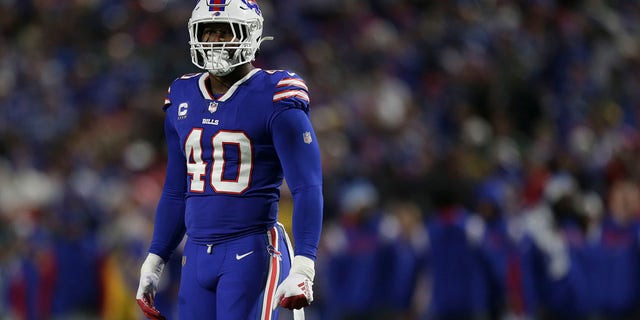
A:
233	133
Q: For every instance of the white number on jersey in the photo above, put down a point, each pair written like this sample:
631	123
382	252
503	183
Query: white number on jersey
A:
196	167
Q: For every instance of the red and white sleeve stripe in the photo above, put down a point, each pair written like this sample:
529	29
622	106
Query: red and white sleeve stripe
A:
291	88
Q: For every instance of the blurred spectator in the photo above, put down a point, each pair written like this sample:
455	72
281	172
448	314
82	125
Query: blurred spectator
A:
618	239
404	226
461	276
353	264
499	248
559	260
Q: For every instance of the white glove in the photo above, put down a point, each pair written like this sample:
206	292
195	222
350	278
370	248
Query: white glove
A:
296	290
150	273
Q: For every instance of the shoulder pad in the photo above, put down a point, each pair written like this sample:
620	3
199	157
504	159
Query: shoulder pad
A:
176	82
189	76
290	89
167	100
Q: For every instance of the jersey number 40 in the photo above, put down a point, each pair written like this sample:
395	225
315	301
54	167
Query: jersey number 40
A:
197	168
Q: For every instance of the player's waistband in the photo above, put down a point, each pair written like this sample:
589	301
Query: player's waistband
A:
208	240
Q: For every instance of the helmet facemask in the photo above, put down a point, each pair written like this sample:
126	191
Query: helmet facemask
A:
221	58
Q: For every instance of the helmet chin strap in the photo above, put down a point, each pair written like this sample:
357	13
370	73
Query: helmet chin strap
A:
218	62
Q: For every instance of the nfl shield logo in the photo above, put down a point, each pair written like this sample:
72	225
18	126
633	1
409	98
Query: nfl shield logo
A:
306	137
213	106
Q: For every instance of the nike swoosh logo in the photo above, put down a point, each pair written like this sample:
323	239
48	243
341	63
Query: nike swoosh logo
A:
240	256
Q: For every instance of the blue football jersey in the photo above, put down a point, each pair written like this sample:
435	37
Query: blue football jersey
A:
231	167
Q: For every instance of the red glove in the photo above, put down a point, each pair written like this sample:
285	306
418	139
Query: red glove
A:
150	273
296	291
146	305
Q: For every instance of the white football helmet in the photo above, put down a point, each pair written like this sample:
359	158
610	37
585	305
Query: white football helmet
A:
220	58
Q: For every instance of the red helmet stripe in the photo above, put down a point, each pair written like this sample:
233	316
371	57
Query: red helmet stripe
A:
217	5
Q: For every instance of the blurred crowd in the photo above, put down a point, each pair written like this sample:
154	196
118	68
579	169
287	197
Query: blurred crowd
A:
481	157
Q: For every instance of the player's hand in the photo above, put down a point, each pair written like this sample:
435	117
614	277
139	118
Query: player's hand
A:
150	273
296	291
146	305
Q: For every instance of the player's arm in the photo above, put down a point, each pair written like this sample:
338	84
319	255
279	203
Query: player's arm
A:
169	225
299	153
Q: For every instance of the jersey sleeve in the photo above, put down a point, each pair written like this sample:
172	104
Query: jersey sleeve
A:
299	154
291	92
169	226
169	96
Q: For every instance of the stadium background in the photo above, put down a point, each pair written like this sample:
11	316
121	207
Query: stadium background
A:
451	119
